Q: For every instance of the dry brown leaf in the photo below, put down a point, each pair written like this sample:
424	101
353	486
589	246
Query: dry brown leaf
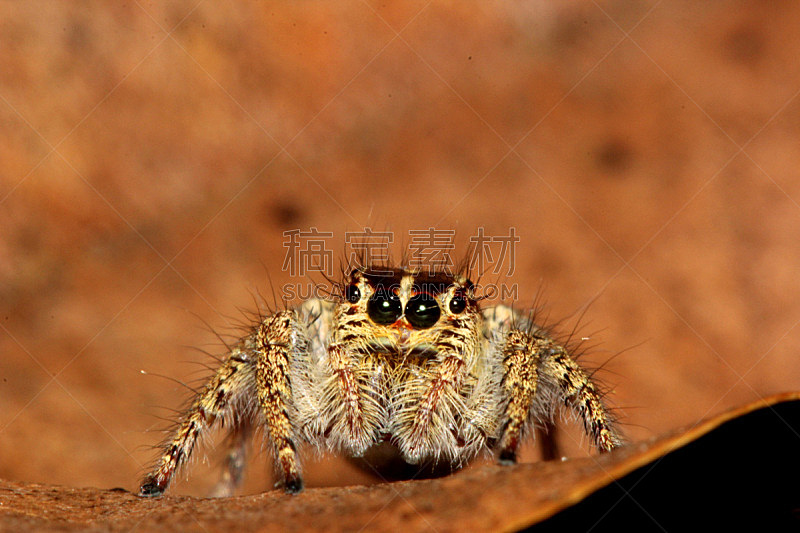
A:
725	468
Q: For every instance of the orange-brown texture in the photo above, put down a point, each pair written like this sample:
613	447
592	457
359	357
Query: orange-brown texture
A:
695	478
153	155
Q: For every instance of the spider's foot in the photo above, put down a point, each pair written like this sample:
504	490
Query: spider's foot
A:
150	489
293	485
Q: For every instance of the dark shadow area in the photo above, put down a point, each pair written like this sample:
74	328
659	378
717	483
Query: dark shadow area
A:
744	473
385	462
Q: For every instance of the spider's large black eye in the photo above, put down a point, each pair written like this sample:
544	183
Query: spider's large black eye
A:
351	293
422	311
458	303
384	307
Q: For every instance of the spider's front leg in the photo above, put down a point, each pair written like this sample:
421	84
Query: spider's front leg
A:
215	404
259	365
275	339
531	358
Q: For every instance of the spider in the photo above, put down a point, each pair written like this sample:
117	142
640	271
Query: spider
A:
404	356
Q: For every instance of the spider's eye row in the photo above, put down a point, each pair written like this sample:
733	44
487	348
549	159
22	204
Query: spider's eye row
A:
458	303
384	307
352	294
422	311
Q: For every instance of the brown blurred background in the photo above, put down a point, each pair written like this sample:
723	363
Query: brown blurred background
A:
153	154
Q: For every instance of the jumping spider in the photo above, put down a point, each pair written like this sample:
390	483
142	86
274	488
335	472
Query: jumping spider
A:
402	356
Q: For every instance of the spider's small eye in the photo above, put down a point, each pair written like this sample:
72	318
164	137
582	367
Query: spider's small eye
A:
422	311
351	293
384	307
458	303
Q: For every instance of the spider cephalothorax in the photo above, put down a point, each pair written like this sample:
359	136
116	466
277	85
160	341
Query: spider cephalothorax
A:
405	356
